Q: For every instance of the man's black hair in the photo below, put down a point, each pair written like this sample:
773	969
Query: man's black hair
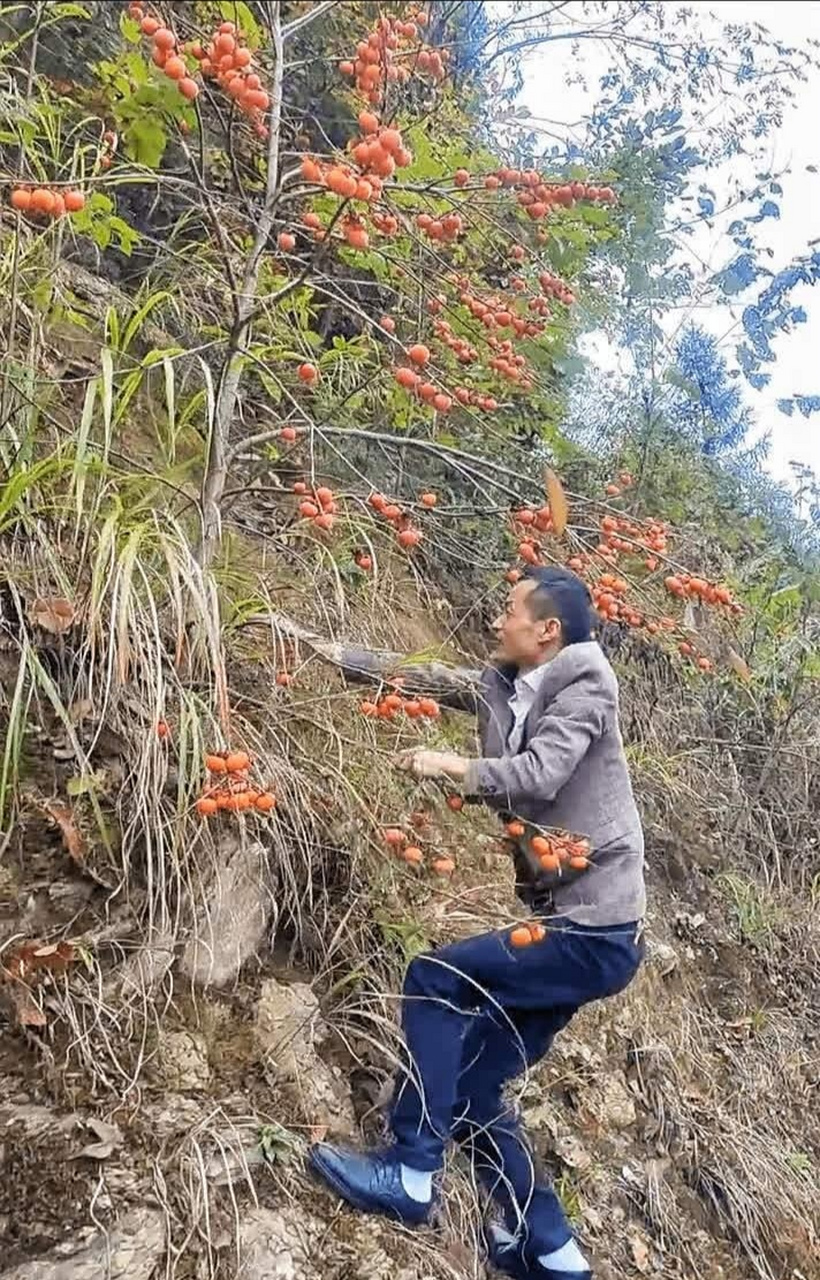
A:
561	594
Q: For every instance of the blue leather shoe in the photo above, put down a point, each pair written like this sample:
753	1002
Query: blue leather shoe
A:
370	1182
509	1261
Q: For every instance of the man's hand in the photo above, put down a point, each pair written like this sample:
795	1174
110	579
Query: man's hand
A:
433	764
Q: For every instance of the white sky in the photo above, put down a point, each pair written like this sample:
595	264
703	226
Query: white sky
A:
793	146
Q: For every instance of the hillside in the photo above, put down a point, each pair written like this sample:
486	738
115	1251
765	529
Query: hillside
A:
283	410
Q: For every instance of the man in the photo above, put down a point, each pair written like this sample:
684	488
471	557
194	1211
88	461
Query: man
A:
479	1012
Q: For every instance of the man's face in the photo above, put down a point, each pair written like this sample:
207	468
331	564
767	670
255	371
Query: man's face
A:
522	639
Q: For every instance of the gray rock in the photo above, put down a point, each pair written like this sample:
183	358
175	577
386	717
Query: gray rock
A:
274	1244
130	1250
183	1060
233	919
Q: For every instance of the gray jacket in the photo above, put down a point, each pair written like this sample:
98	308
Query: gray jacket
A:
570	772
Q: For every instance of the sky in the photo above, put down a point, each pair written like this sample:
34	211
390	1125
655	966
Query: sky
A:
794	145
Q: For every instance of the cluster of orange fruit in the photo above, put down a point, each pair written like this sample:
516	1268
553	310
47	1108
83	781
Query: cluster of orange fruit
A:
446	229
320	509
497	313
396	839
524	935
685	584
228	60
555	287
392	53
555	850
230	788
45	202
165	53
408	536
389	706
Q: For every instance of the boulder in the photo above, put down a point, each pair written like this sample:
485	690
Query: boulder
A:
129	1250
233	918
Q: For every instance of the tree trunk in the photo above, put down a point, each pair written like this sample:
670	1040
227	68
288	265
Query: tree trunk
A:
455	687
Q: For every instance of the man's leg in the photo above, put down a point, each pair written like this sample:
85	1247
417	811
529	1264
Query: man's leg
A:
488	1125
488	1128
445	992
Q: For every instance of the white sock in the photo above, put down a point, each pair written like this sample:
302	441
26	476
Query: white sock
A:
502	1237
567	1258
417	1183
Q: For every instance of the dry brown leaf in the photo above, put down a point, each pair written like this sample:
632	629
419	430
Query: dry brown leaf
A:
72	839
559	507
739	665
53	613
640	1253
29	1013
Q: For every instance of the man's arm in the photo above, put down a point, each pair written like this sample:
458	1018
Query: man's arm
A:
561	740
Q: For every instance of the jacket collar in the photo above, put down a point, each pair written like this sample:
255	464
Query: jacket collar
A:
573	662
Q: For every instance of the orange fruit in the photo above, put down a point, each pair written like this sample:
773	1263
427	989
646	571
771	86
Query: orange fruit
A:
74	201
540	846
324	496
418	353
515	829
283	679
410	538
549	861
393	836
537	932
456	803
206	806
149	25
21	199
307	372
368	121
188	88
42	200
175	69
389	324
162	729
413	855
443	866
578	862
237	761
406	378
309	510
164	39
216	764
265	802
521	937
286	241
429	707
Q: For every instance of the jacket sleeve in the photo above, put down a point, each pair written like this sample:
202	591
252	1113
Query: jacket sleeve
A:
562	737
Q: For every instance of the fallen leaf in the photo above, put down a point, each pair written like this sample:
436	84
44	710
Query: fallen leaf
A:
739	665
53	613
72	839
110	1137
640	1253
559	507
29	1013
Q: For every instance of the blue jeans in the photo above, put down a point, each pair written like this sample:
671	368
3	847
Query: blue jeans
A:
477	1014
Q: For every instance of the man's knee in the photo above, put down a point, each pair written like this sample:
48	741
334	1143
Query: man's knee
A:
429	975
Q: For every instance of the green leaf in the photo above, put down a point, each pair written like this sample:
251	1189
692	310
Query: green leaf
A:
145	141
127	237
237	11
